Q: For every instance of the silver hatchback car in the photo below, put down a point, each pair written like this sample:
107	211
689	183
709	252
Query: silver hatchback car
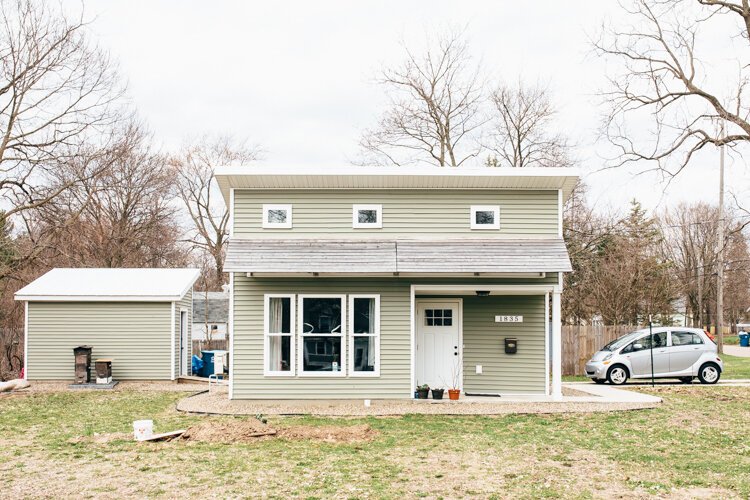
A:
682	353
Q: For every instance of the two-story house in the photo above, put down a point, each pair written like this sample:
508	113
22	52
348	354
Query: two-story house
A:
364	282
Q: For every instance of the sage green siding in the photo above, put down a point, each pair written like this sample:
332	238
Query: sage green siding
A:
249	381
523	372
136	334
328	213
187	304
480	333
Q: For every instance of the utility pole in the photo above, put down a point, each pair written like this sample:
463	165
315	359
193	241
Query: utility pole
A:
720	259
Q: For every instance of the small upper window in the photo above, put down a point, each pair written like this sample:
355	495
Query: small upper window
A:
485	217
277	216
364	216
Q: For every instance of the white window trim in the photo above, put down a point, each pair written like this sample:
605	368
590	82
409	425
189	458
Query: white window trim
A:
277	225
342	334
364	225
376	372
266	335
484	208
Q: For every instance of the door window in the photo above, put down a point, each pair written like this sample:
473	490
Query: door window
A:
438	317
660	340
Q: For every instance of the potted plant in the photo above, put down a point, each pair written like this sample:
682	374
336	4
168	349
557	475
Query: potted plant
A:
453	391
423	391
437	393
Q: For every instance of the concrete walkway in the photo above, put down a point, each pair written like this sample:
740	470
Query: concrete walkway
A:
589	398
735	350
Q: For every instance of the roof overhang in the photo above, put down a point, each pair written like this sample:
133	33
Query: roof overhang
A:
422	177
99	298
110	285
532	258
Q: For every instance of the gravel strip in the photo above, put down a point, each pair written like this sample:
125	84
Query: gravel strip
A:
218	404
127	385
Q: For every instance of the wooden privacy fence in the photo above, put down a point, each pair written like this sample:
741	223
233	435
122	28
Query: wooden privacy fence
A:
580	342
216	345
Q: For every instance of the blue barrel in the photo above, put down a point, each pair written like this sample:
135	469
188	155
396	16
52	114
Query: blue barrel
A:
744	339
208	363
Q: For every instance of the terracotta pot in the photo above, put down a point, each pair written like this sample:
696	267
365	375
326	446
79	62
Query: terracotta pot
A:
453	394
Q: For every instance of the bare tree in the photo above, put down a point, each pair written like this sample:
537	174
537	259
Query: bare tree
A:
434	111
691	245
57	92
586	235
522	129
666	90
122	217
194	172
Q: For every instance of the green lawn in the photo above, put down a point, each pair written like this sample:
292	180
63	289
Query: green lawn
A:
735	367
686	447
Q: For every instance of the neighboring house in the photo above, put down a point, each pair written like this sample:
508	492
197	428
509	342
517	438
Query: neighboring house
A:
139	317
210	314
364	282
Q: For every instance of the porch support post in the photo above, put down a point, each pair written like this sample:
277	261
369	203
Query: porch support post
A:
556	346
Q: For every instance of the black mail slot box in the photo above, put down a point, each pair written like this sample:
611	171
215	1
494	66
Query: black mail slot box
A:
511	345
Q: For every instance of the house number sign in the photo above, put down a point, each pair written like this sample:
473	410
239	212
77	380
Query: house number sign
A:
511	318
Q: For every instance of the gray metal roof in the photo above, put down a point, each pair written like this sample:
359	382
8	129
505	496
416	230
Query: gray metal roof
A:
435	257
218	307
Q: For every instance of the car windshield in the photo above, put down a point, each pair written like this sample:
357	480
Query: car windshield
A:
623	341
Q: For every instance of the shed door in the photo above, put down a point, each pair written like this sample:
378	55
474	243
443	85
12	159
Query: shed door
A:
183	343
438	362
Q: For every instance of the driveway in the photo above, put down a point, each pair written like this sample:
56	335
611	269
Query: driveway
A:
735	350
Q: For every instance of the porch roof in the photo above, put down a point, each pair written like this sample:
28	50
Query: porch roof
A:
408	257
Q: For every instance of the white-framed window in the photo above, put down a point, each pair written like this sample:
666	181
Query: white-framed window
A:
485	217
322	327
278	328
277	216
364	335
367	216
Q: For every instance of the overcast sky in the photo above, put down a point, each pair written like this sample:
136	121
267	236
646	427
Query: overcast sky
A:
296	78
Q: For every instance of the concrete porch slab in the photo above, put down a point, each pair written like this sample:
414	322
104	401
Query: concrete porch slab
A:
597	399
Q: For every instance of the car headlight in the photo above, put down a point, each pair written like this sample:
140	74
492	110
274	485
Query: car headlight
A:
608	357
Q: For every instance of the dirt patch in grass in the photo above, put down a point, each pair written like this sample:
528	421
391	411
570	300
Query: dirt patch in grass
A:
330	433
251	429
229	431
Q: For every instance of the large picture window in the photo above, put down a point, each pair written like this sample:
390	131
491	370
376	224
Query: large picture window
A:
322	329
364	331
279	324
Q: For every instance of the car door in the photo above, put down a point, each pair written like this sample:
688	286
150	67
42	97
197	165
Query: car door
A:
685	350
639	355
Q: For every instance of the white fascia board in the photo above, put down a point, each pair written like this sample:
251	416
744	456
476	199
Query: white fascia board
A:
536	275
493	289
196	275
101	298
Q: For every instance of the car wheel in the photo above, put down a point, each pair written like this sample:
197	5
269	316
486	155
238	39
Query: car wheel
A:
617	375
686	380
599	380
709	373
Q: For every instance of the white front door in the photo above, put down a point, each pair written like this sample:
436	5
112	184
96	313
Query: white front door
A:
438	352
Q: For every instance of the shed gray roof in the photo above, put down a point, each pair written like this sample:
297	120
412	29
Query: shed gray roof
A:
436	257
218	307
